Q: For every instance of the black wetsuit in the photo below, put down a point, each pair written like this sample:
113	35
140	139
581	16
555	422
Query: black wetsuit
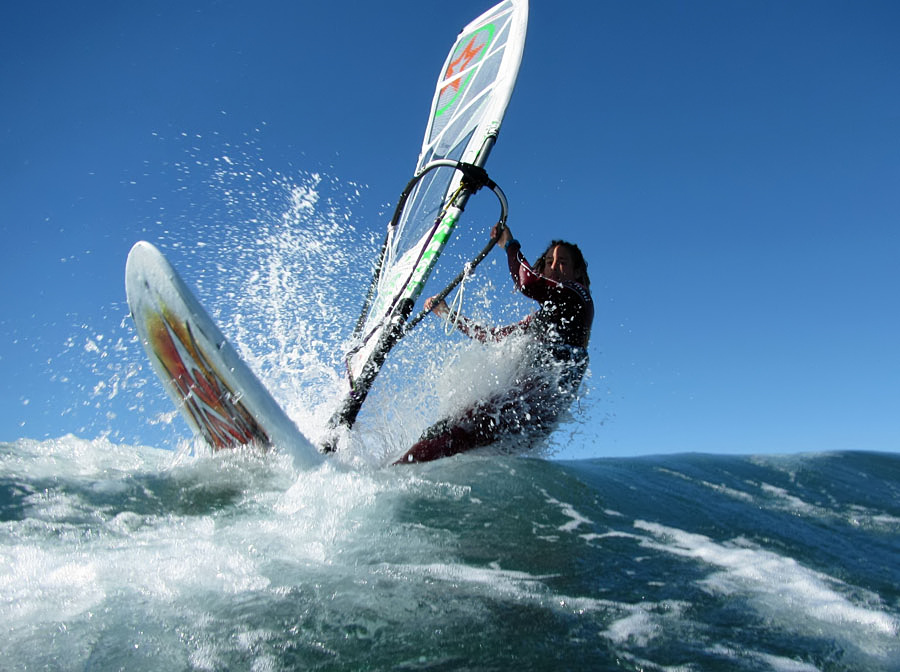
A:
557	359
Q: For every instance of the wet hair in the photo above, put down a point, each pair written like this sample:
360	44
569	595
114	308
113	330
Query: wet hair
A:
581	272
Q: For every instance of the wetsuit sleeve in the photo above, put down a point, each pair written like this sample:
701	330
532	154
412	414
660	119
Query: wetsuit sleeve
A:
514	259
530	283
484	334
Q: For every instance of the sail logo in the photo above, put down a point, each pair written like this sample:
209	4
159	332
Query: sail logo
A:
464	59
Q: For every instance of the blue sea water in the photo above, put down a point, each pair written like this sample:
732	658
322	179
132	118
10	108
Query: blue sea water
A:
128	557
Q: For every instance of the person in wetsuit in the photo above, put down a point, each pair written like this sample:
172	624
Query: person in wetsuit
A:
555	355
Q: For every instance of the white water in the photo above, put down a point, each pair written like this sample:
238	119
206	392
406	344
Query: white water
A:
125	556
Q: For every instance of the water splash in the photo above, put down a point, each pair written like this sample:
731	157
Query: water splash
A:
281	261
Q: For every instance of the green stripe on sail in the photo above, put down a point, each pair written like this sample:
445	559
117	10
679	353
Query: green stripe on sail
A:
431	254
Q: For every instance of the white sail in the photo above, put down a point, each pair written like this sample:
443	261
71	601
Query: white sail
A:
469	102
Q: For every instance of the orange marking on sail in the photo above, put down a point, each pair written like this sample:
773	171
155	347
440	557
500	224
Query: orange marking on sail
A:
461	63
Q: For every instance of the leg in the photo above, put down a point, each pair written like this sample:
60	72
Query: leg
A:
480	426
454	439
477	427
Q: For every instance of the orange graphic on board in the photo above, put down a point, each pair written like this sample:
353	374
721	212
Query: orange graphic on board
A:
216	410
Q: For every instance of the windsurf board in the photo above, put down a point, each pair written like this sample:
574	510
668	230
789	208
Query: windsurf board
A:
221	399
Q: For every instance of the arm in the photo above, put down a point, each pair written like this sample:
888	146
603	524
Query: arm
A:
519	268
527	280
484	334
471	328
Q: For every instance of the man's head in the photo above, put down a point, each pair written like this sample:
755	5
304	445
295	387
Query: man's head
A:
563	261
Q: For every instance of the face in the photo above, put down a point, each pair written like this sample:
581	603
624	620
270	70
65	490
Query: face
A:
559	265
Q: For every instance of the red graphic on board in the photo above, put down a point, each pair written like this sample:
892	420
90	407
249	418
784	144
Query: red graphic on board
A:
214	407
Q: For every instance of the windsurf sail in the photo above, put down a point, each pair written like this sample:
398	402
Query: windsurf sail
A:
470	99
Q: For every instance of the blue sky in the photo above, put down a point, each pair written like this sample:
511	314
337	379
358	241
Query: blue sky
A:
731	170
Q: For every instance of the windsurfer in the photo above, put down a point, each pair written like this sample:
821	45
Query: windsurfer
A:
557	338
